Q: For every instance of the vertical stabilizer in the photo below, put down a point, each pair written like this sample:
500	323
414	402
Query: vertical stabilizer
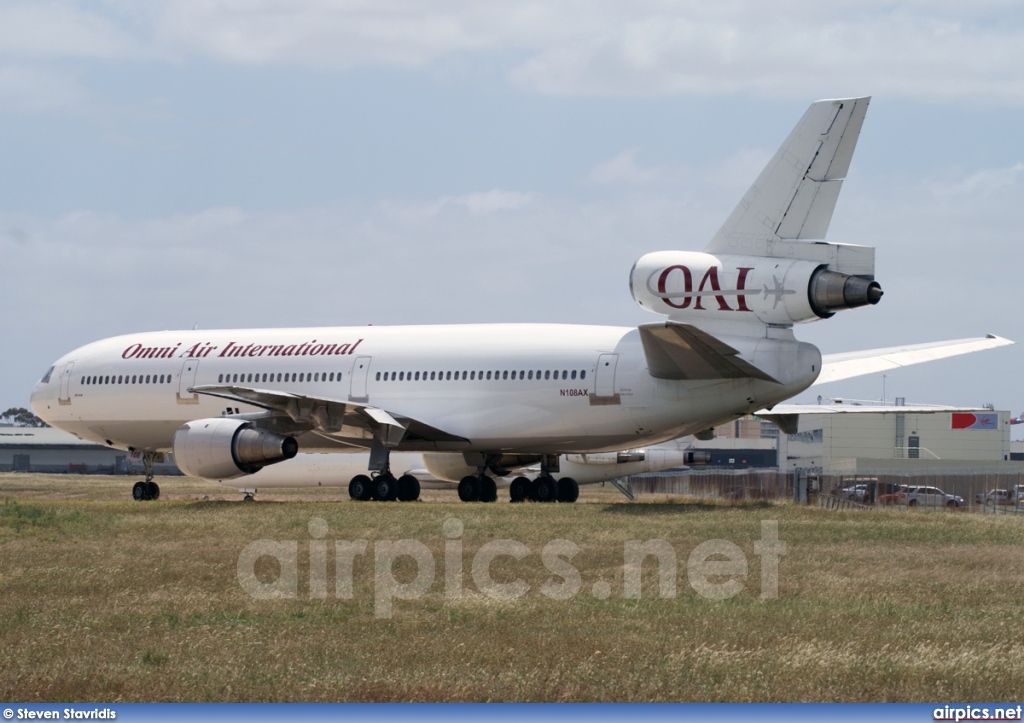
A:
796	193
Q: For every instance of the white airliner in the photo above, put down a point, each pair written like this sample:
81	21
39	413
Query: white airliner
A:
482	400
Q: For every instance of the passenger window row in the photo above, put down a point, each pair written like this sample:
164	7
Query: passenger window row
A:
125	379
564	374
480	375
279	376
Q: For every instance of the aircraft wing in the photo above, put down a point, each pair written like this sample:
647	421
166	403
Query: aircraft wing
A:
835	367
682	351
796	193
335	418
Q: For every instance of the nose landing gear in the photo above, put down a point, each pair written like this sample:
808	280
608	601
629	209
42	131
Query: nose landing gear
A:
147	490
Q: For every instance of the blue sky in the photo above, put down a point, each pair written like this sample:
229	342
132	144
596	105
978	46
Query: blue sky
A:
304	163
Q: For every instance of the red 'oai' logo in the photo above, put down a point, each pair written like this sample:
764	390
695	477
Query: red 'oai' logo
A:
709	286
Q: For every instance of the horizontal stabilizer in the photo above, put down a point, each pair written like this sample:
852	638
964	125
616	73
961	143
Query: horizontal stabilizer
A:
682	351
796	193
787	416
835	367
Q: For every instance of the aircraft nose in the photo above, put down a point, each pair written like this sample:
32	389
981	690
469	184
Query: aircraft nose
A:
43	393
35	400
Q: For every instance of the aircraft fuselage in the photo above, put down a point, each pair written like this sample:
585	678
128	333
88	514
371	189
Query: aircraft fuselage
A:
529	388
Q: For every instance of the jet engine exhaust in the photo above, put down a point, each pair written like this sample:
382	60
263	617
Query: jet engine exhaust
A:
831	291
255	447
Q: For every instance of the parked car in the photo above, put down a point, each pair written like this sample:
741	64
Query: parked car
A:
992	498
920	496
892	495
857	493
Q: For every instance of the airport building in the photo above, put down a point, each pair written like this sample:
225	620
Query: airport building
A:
852	439
965	451
51	451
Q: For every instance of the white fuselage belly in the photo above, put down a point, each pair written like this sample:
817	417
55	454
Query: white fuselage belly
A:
132	391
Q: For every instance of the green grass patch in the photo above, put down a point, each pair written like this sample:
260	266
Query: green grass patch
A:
105	598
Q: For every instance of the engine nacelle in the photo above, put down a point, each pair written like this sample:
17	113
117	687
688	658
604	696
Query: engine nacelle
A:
222	448
694	285
447	466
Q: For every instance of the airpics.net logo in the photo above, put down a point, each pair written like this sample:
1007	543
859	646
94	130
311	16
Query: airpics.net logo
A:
408	569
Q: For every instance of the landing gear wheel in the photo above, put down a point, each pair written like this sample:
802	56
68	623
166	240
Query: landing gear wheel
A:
248	498
469	489
387	487
544	489
147	489
519	490
568	490
488	489
408	488
360	488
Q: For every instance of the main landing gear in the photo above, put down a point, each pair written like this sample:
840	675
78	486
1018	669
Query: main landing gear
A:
478	488
481	488
544	489
147	490
384	487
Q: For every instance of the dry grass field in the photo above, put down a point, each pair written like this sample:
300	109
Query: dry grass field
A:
106	599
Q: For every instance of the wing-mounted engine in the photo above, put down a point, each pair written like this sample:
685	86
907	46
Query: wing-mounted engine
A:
812	281
222	448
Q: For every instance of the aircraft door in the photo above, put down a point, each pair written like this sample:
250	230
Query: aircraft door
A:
360	373
604	380
65	384
187	379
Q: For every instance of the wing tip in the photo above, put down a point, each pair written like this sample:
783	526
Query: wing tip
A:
1001	340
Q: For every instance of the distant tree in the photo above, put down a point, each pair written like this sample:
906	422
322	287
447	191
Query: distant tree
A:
21	417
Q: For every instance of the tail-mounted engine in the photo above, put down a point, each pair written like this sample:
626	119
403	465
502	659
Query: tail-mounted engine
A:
810	282
221	448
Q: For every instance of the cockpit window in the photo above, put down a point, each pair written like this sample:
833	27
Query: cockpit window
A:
46	377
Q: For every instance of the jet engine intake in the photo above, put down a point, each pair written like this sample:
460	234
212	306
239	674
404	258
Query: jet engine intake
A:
224	448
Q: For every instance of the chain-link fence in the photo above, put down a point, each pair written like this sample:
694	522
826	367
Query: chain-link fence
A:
989	491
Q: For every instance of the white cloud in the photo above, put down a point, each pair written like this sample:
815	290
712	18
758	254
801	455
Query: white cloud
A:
793	48
492	201
66	30
27	89
624	169
986	181
327	34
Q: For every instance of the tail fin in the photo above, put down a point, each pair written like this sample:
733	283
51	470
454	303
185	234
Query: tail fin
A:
796	193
